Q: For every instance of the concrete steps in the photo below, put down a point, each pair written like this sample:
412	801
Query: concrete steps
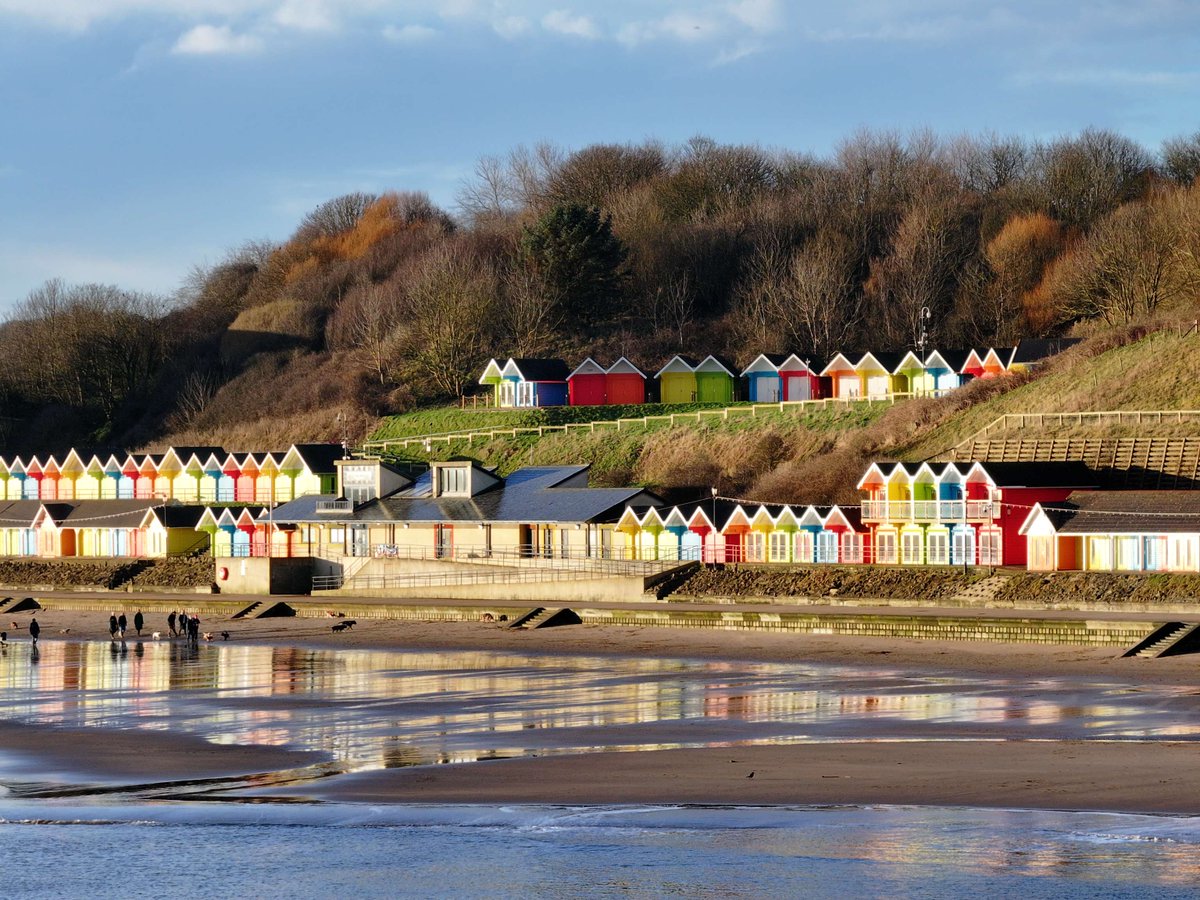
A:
546	617
1171	639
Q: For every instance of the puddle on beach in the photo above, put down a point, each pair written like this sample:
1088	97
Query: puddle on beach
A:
375	709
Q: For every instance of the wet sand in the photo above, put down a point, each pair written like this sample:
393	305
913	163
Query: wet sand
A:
1157	776
999	660
140	755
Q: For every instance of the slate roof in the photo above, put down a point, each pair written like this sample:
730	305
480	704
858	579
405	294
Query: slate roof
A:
541	369
532	494
1126	512
1031	350
1038	474
99	513
955	359
18	513
320	457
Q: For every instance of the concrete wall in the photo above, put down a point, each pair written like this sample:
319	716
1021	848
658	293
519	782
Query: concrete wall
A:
262	575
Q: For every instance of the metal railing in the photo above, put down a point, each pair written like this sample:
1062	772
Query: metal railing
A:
526	563
751	409
945	511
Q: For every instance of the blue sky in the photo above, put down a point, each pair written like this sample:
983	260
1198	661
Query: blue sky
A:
140	137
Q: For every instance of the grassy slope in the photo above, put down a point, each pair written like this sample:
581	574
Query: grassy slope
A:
818	454
1156	372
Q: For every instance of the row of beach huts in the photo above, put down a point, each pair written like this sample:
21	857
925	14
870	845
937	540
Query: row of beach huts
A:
770	378
315	501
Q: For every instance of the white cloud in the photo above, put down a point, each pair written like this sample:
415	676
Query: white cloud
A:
409	34
757	15
685	27
306	15
738	51
215	40
563	22
511	26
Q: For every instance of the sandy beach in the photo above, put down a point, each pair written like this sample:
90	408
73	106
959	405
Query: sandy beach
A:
1153	776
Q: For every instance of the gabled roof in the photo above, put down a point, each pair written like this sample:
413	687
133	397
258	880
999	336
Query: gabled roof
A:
845	364
588	367
532	494
954	360
678	363
624	367
318	457
1032	350
880	360
794	363
1126	512
531	369
917	363
972	356
711	364
766	362
492	372
998	355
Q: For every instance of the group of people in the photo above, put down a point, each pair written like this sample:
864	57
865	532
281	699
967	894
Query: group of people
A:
118	624
184	625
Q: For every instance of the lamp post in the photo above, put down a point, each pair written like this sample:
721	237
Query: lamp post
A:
713	533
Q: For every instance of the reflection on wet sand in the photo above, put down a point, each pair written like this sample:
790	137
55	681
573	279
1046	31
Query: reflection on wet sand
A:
374	709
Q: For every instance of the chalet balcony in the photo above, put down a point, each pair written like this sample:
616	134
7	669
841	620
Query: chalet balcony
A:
948	511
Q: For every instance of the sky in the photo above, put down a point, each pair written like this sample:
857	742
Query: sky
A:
140	138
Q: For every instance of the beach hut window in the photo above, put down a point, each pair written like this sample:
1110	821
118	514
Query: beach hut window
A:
885	547
911	546
1127	554
989	548
1100	554
827	547
939	548
779	546
1154	554
1183	554
852	547
755	547
962	547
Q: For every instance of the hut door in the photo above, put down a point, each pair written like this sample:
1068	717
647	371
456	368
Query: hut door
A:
798	388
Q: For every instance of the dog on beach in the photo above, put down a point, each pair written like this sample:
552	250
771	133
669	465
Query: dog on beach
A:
224	635
344	626
156	636
208	635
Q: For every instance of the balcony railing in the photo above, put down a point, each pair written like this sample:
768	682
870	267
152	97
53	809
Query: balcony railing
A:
947	511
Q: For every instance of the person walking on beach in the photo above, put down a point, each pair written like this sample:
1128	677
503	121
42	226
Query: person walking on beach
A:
122	622
138	621
34	629
171	623
112	626
195	627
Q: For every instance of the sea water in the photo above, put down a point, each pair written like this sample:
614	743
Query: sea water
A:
66	835
340	851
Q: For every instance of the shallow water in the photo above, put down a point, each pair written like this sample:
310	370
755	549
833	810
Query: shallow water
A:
609	852
375	709
372	709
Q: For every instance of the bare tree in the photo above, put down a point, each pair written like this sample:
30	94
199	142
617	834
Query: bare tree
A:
335	216
532	312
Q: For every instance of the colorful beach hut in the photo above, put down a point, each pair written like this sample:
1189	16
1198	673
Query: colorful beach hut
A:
587	384
677	380
714	381
843	378
764	380
534	382
624	383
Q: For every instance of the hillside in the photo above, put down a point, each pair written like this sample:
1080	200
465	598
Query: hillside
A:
382	304
815	454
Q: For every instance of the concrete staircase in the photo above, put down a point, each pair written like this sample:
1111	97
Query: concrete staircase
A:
546	617
1171	639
